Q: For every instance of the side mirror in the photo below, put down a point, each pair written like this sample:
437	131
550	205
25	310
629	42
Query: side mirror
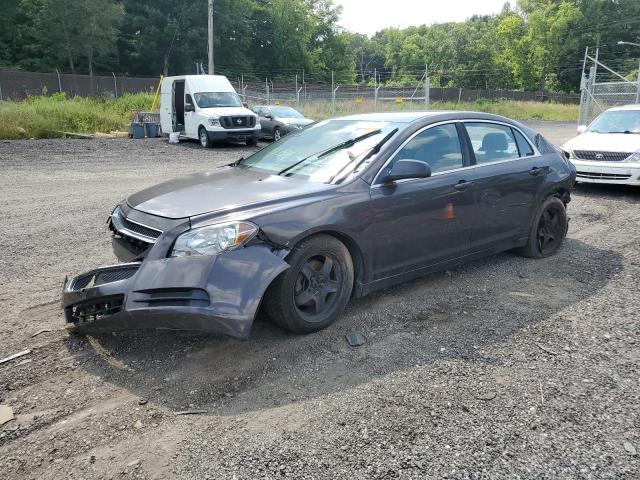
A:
407	168
245	105
582	129
268	116
188	107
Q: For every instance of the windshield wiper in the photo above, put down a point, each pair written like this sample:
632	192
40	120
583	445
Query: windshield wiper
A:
326	152
628	132
376	148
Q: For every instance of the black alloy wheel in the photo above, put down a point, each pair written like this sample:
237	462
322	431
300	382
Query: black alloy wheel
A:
312	293
548	230
318	282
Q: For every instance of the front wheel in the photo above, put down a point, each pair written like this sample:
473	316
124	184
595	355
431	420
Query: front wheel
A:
204	138
277	134
311	294
549	227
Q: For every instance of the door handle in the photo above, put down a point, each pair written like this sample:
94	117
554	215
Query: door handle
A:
535	171
462	185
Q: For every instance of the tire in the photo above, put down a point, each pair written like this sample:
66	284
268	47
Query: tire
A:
311	294
203	137
277	134
251	142
548	229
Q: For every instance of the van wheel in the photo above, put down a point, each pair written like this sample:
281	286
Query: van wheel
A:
548	229
313	292
204	137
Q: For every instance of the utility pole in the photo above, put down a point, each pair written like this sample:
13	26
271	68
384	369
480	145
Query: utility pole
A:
210	37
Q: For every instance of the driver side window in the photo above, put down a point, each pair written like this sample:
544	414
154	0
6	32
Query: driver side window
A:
437	146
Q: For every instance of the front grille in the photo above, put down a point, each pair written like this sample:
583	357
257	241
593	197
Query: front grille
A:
171	297
124	226
597	156
92	310
242	121
104	275
602	176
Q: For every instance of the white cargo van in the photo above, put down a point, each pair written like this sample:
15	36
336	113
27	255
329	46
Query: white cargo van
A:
206	108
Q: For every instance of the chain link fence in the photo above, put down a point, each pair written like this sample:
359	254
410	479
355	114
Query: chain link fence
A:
603	88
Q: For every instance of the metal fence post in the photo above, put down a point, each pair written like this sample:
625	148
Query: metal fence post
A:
427	87
59	81
115	85
638	86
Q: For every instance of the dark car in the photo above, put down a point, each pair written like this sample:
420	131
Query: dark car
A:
339	209
276	121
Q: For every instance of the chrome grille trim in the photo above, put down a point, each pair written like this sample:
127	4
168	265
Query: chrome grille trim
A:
602	176
599	156
133	229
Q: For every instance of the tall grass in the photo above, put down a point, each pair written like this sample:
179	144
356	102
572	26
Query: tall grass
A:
517	110
53	116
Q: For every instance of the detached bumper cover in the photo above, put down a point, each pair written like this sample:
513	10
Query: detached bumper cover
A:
212	294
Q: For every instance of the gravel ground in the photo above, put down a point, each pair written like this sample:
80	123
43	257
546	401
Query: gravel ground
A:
504	368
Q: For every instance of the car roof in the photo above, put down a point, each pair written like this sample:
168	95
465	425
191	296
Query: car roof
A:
635	106
272	106
436	115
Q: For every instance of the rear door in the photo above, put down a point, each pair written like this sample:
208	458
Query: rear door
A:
417	223
508	178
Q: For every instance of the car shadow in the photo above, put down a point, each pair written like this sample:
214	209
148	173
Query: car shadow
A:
455	314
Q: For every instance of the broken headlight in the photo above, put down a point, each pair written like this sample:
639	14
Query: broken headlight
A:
213	239
634	157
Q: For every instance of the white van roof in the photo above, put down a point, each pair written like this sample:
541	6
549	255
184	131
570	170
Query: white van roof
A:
199	83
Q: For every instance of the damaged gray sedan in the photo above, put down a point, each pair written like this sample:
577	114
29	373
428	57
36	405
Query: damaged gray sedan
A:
340	209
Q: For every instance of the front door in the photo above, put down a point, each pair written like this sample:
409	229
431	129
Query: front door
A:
191	120
420	223
509	176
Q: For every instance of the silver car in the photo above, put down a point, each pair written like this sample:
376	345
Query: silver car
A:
276	121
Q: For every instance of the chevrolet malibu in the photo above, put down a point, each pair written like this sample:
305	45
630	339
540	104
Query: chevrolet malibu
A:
338	210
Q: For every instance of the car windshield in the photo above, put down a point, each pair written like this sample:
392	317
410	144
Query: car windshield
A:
618	121
310	153
217	99
285	112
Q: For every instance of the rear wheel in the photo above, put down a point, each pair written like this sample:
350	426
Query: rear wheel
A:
548	229
311	294
203	136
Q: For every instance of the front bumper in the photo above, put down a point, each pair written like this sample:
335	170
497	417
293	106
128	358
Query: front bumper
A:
218	294
239	135
623	173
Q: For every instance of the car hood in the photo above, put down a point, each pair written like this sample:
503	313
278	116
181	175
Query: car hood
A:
223	111
296	121
605	142
222	190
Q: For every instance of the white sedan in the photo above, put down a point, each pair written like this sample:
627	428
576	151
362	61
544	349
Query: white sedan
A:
608	150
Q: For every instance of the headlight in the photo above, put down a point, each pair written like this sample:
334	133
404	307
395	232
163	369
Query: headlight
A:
634	158
214	122
213	239
568	154
295	127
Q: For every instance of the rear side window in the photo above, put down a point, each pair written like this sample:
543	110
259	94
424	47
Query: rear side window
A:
492	142
439	147
526	150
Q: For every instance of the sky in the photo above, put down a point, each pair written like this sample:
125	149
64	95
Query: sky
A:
370	16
